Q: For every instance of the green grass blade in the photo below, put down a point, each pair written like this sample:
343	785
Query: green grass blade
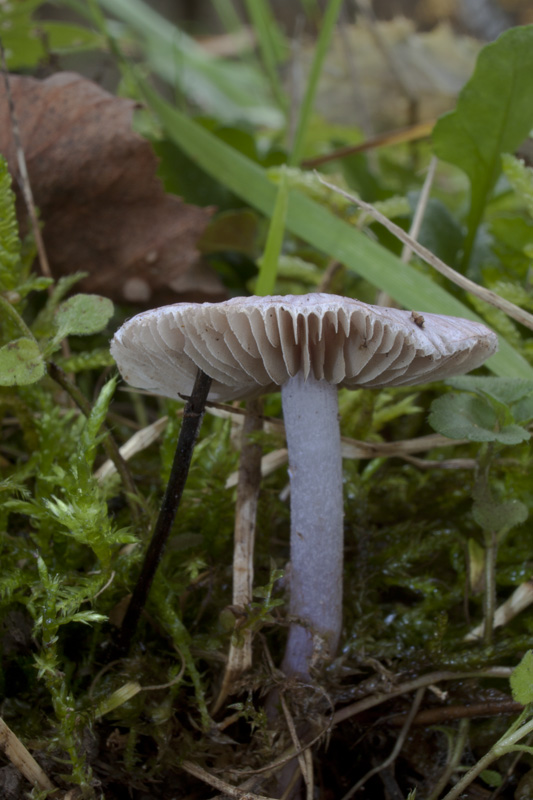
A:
322	45
269	38
320	228
270	260
231	91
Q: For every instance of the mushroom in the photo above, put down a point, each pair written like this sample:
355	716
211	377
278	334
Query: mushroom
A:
309	345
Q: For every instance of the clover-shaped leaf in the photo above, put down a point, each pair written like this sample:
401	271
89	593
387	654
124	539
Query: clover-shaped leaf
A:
466	416
522	680
82	315
21	363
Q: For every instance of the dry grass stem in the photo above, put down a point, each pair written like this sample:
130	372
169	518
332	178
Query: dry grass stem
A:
22	759
139	441
249	484
521	598
416	224
426	255
377	698
220	785
305	760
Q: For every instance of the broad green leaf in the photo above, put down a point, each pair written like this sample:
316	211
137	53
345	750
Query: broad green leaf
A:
322	229
520	177
521	680
499	518
82	315
465	416
494	114
21	363
28	44
504	390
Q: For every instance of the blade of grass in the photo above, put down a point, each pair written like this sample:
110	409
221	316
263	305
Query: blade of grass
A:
226	13
326	31
269	38
270	260
269	266
230	90
320	228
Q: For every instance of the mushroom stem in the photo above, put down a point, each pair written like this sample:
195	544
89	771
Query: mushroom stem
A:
310	410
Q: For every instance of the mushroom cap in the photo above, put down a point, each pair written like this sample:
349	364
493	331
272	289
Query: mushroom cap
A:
253	345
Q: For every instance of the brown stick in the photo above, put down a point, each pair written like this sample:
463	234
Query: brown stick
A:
240	653
22	759
437	716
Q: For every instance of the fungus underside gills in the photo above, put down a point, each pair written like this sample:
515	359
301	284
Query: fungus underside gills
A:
310	411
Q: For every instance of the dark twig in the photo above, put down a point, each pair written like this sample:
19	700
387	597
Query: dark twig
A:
192	419
444	714
109	443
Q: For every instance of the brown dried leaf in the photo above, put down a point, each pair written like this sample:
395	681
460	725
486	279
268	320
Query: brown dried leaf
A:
104	210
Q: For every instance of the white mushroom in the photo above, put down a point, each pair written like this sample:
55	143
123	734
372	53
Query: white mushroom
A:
309	345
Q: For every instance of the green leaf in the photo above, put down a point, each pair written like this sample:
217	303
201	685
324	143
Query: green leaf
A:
465	416
491	777
82	315
322	229
30	43
521	680
21	363
521	179
499	518
494	114
504	390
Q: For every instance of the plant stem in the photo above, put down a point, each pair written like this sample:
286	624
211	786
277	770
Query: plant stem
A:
109	443
489	596
310	411
240	653
8	309
192	420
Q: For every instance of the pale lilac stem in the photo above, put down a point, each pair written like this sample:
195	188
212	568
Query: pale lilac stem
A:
310	411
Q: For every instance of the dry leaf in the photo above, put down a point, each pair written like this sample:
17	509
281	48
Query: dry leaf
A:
104	210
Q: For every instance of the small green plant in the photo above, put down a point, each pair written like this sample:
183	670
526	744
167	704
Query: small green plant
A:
494	412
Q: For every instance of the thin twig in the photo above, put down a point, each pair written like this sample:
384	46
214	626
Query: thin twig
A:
139	441
430	258
304	762
217	783
420	130
378	698
22	759
396	749
453	761
418	216
192	420
521	598
443	714
240	653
